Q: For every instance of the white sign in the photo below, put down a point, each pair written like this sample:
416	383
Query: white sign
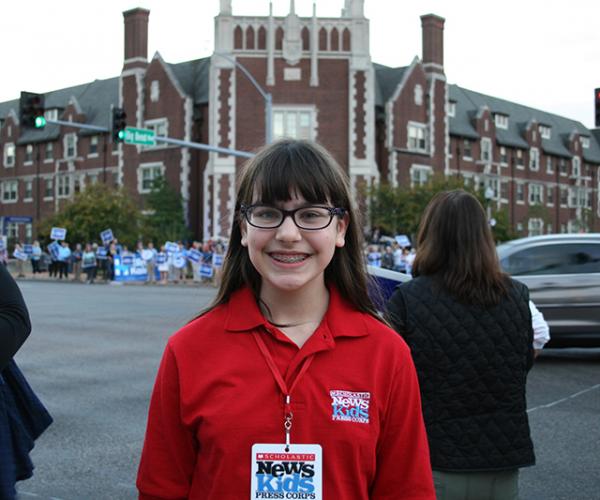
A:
58	233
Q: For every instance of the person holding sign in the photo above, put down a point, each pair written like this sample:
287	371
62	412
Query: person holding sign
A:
289	385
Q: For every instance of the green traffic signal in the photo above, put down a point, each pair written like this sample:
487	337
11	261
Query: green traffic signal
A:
121	135
40	122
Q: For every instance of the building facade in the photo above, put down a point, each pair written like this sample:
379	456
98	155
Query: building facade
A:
398	125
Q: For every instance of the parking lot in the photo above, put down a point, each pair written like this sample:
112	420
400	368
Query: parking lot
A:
92	358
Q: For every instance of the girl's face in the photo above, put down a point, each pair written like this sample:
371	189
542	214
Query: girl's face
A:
288	258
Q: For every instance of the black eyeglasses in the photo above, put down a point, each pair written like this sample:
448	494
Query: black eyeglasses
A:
311	218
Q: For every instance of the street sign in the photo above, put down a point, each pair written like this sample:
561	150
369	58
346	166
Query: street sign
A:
140	136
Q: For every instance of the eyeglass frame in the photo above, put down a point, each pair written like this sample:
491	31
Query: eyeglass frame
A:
333	212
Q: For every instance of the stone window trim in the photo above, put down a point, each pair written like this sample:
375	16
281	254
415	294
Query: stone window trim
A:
63	186
149	167
10	191
520	187
534	159
423	172
70	148
486	153
416	137
28	155
160	126
9	155
535	194
282	114
94	142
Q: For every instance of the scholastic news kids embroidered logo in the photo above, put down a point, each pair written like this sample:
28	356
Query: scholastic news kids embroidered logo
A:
285	475
350	406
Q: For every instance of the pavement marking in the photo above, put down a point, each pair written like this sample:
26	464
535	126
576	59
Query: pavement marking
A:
34	495
558	401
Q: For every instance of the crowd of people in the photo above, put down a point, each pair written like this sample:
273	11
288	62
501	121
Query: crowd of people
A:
391	255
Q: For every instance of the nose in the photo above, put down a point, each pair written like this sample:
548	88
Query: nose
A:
288	230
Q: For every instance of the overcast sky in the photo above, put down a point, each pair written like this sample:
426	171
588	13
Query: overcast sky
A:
541	53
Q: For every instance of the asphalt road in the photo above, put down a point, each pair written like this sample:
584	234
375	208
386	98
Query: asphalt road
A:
93	355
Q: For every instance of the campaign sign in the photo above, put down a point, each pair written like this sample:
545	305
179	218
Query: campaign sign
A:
53	248
217	259
295	473
147	254
130	268
107	236
20	255
402	240
28	249
161	258
58	233
171	247
127	260
206	271
194	255
383	283
179	260
101	253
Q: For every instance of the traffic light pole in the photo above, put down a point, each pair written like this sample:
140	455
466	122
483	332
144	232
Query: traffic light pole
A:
168	140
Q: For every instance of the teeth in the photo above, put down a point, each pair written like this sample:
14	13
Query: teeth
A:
289	259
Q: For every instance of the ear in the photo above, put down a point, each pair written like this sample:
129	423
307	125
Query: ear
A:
342	226
244	231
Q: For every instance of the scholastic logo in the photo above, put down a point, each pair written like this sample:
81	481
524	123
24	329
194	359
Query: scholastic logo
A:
350	406
285	475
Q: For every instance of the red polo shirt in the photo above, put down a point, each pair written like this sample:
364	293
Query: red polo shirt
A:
215	397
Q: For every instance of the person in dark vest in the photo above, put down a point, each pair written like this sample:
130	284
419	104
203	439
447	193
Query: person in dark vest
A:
469	328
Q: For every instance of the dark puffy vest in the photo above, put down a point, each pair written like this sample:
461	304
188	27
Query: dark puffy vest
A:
472	363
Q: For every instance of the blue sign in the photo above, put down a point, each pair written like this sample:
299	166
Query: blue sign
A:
127	260
18	219
206	271
179	260
217	260
130	268
161	258
402	240
171	247
19	254
28	249
58	233
101	253
53	248
107	236
194	255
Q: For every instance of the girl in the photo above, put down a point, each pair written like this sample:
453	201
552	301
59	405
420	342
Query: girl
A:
289	385
162	262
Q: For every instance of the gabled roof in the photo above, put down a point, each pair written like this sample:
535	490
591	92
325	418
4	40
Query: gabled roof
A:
519	116
386	81
193	78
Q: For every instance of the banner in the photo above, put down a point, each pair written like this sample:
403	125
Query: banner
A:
58	233
130	268
194	255
171	247
206	271
19	254
217	259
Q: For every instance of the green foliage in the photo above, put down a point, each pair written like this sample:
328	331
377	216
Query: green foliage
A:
164	219
398	210
92	211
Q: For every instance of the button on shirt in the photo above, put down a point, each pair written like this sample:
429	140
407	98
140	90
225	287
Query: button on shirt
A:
215	397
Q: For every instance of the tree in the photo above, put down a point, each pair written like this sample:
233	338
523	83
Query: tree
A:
93	210
164	219
398	210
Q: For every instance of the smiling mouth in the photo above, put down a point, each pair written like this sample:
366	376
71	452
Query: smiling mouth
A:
288	258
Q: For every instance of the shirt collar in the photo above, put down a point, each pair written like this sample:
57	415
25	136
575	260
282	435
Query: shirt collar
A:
343	320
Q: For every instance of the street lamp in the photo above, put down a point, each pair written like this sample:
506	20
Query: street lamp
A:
265	95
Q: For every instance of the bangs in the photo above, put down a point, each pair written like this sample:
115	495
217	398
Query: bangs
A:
293	171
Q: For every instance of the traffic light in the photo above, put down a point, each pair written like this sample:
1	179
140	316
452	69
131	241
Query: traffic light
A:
119	118
31	110
597	107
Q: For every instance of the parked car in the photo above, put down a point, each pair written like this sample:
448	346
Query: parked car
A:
562	272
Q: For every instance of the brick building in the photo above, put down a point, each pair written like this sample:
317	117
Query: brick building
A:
399	125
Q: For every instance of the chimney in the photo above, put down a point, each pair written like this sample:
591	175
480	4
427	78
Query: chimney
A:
136	38
433	43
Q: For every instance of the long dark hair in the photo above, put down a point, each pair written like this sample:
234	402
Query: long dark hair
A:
278	171
455	247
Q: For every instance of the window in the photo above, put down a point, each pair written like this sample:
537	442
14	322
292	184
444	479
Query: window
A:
10	191
578	197
520	163
48	189
12	230
48	151
155	91
294	123
562	166
28	231
416	137
29	153
419	175
545	131
503	156
70	145
520	192
535	227
501	121
418	95
28	195
576	166
562	258
451	108
93	179
51	114
550	195
9	155
486	150
549	165
534	159
504	190
585	142
63	183
94	145
147	175
564	196
536	194
467	151
160	128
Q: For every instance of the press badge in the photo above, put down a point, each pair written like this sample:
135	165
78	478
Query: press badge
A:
297	473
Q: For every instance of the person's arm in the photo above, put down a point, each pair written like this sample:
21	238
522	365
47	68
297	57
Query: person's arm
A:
170	449
541	331
403	463
15	325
